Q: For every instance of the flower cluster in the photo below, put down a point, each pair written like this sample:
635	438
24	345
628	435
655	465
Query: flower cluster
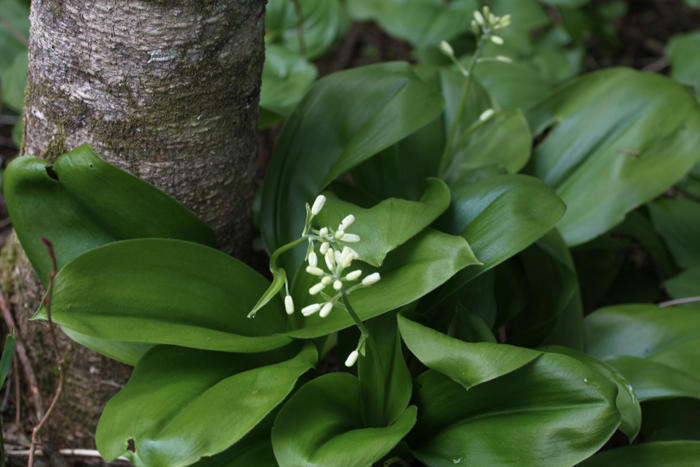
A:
337	258
486	24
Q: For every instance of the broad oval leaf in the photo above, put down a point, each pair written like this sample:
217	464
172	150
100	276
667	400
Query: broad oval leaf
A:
286	78
322	23
343	120
82	202
469	364
617	139
499	216
657	349
181	404
678	223
552	412
159	291
504	140
682	51
668	454
627	400
408	273
389	224
321	426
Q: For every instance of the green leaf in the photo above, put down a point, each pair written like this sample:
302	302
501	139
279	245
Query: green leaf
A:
408	273
285	79
618	138
657	349
678	223
159	291
343	120
401	170
323	22
682	52
14	80
503	140
469	364
551	287
422	23
627	401
499	217
669	454
321	425
16	12
685	285
92	203
8	351
384	406
553	412
653	381
125	352
639	227
389	224
181	404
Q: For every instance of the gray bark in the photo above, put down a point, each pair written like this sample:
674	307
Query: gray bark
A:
164	89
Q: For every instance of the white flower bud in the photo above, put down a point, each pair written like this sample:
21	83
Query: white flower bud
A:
326	280
503	59
326	310
330	259
447	49
353	276
497	40
289	304
324	247
347	260
337	285
313	259
351	238
317	288
486	115
338	257
371	279
479	18
352	358
475	28
311	309
315	271
339	234
347	222
323	232
318	204
354	254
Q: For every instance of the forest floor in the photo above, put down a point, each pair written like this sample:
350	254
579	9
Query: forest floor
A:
638	41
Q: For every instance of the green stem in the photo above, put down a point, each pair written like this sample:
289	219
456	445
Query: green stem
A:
353	315
446	153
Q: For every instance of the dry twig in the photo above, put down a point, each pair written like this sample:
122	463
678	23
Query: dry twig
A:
59	358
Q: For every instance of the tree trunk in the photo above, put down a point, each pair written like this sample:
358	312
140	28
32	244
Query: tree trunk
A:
164	89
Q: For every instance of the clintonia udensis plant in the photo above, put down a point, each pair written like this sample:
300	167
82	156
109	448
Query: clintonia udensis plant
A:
452	255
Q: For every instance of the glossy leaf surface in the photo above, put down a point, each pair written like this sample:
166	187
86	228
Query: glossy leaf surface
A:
653	381
678	223
504	140
159	291
469	364
553	412
345	119
618	138
499	217
408	273
627	400
181	404
82	202
670	454
321	425
387	225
